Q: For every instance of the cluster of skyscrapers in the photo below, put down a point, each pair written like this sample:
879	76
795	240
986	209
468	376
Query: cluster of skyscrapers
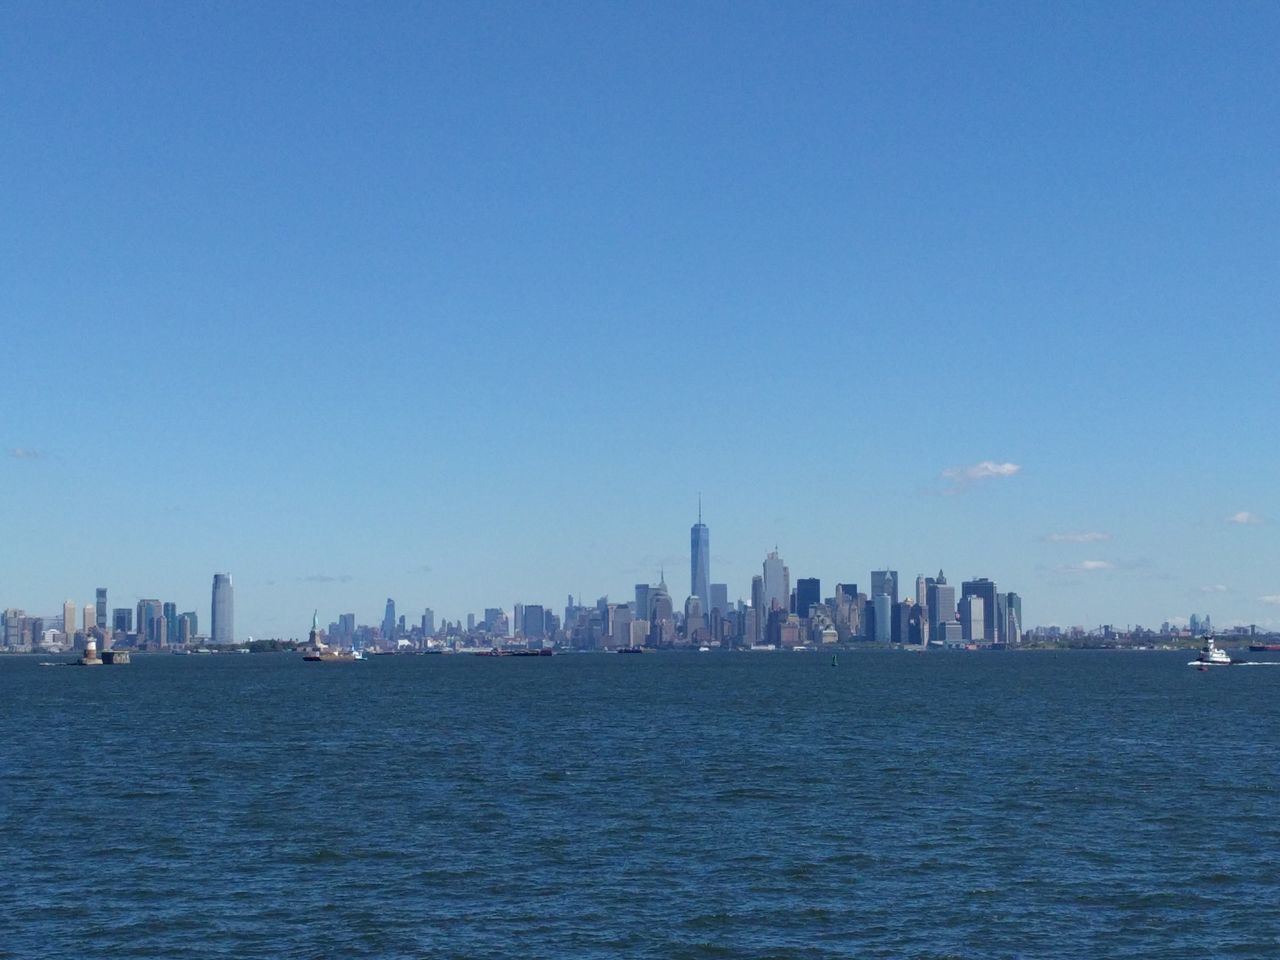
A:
780	614
151	624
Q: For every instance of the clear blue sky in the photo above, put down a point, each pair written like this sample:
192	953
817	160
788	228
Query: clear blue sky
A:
464	304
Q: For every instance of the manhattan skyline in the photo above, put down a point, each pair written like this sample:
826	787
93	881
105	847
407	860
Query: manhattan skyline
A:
465	306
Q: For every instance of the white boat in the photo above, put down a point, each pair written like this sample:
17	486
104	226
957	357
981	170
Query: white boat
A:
1211	656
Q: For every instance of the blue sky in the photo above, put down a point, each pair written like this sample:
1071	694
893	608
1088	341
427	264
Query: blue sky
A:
465	303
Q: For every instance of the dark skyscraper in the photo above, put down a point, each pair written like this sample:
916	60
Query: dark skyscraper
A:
885	582
122	619
808	592
100	608
700	559
222	615
986	589
389	621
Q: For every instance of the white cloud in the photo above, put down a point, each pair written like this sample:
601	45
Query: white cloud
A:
962	477
1083	536
1087	566
1273	599
1216	588
26	453
1245	518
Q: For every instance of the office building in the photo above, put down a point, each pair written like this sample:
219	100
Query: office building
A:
986	589
885	582
428	622
700	559
719	599
808	593
69	618
222	612
149	613
777	586
122	619
100	608
972	618
389	620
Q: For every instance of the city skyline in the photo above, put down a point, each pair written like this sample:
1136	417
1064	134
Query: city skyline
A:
461	306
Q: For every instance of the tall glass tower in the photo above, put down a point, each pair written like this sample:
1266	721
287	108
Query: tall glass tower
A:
222	615
700	559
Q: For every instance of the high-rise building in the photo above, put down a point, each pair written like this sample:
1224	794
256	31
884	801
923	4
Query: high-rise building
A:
428	622
222	628
719	598
972	617
188	627
986	589
777	588
389	621
941	601
700	559
69	618
808	592
882	604
149	611
885	582
100	608
1013	608
535	622
171	622
756	632
922	591
642	601
122	619
90	618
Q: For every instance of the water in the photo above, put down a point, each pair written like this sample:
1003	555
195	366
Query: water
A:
1055	805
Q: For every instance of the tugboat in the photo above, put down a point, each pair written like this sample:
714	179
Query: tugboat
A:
1211	656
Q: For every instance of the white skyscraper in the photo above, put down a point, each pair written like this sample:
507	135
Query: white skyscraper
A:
222	615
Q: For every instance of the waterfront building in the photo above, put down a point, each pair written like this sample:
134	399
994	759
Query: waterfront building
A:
149	611
100	608
122	620
882	606
642	601
171	621
922	590
89	622
222	612
986	589
972	617
188	628
941	601
428	622
69	618
700	559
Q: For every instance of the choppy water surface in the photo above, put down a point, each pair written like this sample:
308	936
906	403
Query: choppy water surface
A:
1054	805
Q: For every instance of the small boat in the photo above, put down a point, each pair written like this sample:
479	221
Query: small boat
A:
1264	647
1211	655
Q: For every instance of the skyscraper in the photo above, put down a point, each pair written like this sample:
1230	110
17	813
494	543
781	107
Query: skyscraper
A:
100	608
222	613
808	592
69	618
986	589
389	621
700	559
885	582
151	619
777	591
719	599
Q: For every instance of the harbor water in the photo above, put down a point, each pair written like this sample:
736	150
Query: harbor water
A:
984	805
